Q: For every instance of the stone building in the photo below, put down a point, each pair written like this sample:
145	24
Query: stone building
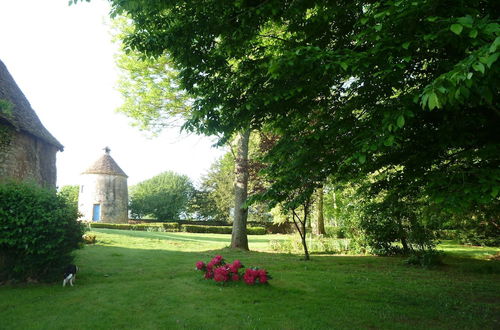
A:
103	192
27	149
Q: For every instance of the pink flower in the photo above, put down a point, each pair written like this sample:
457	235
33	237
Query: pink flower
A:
237	264
249	276
209	274
235	277
217	260
233	268
221	274
210	265
200	265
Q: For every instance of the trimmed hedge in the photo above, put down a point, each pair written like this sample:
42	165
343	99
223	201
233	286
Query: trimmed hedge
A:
207	229
164	227
175	227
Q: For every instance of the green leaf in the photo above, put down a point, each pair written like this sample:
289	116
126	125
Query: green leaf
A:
406	45
494	45
344	65
401	121
473	33
490	60
433	101
478	67
456	28
494	191
389	141
362	158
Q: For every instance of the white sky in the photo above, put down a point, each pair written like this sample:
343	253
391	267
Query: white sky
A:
62	59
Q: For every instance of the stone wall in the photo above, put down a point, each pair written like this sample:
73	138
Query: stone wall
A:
109	191
25	157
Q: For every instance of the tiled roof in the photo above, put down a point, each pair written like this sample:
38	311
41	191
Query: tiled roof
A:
21	116
105	165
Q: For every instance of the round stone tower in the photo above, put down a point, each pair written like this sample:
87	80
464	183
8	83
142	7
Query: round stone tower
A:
103	192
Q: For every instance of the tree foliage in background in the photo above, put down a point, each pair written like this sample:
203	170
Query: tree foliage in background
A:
163	197
70	194
215	196
404	93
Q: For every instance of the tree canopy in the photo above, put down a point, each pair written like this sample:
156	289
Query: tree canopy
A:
399	95
164	196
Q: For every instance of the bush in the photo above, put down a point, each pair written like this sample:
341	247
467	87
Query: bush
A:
175	227
207	229
316	244
38	232
161	227
426	259
256	231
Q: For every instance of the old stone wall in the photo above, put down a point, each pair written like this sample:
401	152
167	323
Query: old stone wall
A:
109	191
25	157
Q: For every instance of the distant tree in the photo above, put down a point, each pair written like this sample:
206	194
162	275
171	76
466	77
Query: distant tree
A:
215	196
70	194
164	197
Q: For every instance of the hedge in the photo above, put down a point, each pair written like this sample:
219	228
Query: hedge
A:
168	227
175	227
38	232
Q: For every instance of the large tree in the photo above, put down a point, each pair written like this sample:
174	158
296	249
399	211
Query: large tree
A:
164	196
402	92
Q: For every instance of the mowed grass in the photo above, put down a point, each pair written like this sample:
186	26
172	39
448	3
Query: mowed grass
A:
145	280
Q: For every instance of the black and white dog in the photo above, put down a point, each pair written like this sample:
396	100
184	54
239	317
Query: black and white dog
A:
70	274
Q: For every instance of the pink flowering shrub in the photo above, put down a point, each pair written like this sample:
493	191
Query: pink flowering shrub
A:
222	272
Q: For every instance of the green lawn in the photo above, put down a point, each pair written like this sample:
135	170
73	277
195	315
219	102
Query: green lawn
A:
143	280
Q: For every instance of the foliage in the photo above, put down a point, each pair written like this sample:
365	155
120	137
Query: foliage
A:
176	227
38	232
70	194
316	245
403	92
149	87
215	196
221	229
164	196
426	259
161	227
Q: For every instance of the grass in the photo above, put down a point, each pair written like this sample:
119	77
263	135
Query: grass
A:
146	280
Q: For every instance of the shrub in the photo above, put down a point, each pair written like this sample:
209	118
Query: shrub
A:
175	227
207	229
426	259
221	229
38	232
256	231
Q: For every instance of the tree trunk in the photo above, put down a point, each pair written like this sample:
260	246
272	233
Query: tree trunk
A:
239	236
321	220
302	229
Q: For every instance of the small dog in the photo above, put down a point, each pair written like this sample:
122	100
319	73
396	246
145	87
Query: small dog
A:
70	275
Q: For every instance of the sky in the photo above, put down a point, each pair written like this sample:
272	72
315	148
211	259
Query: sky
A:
61	57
